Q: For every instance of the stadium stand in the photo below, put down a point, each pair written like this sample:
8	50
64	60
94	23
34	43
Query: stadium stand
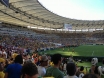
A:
18	38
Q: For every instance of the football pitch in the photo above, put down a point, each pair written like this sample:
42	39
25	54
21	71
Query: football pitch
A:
82	50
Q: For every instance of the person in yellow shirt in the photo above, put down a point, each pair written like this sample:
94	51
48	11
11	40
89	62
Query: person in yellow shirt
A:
82	70
2	60
80	73
14	55
1	71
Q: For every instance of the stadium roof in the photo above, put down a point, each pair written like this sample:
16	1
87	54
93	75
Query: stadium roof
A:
32	13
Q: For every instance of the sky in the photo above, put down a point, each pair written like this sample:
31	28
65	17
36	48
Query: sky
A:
76	9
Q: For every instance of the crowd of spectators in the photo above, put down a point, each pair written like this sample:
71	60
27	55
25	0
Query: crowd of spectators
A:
41	66
19	57
35	40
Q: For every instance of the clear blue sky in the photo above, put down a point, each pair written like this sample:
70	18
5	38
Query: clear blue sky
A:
76	9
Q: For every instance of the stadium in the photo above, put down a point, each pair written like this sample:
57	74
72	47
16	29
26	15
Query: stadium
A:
26	26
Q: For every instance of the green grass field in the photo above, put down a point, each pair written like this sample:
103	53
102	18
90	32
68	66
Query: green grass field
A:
83	50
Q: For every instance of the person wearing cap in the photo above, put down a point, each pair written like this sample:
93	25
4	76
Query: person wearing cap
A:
43	63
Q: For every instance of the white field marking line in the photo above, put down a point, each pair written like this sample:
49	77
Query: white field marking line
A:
92	53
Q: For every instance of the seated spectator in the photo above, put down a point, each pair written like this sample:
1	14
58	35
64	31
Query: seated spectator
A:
54	70
43	63
1	71
14	70
90	76
29	70
71	70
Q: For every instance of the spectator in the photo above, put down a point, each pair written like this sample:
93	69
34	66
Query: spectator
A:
101	71
103	62
54	70
90	76
2	60
96	72
29	70
6	65
64	66
43	63
1	71
71	70
14	70
94	61
70	59
4	54
81	72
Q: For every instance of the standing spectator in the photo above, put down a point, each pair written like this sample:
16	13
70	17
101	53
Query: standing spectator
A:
97	72
1	71
64	66
70	59
54	70
43	63
103	62
6	65
29	70
71	70
2	59
90	76
14	70
81	72
0	52
94	61
4	54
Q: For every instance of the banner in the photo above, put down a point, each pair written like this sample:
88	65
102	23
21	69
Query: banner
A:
68	26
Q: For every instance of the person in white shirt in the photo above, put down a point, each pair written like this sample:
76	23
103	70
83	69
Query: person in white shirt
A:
64	66
4	53
0	52
70	59
43	63
71	70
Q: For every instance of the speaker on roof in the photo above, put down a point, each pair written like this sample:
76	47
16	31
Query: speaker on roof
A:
5	2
